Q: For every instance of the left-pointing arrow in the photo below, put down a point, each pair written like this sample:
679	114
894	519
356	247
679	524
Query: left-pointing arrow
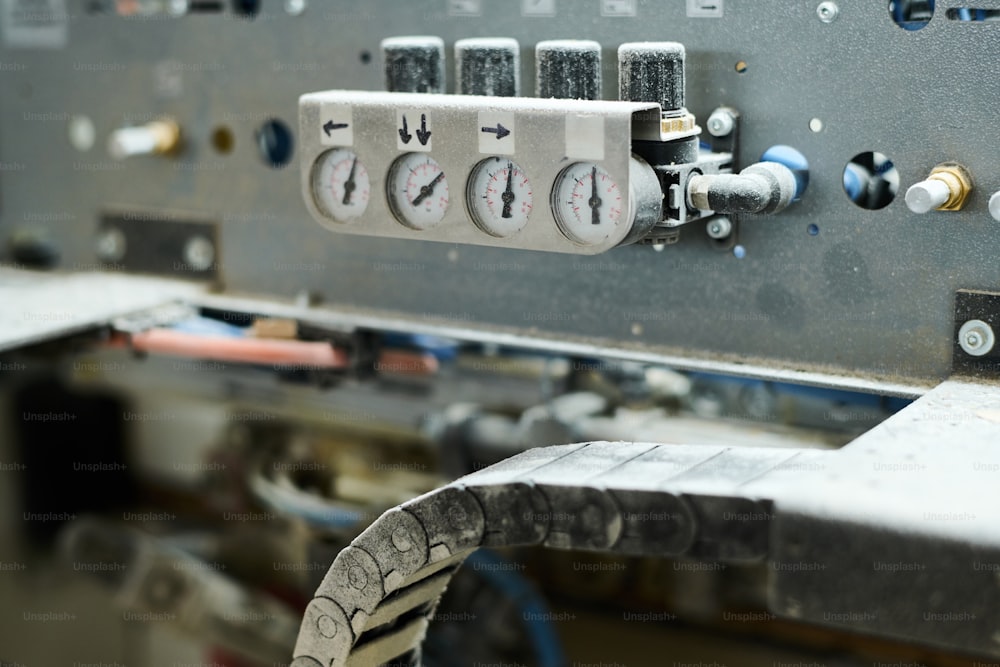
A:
330	126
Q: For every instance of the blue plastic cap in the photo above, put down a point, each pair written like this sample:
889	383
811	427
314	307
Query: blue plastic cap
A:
794	160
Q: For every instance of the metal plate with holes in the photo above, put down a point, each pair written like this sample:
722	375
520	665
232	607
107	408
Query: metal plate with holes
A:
977	321
158	242
870	295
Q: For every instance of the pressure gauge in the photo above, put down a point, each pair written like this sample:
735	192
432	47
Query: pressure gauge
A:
340	185
587	202
499	196
418	191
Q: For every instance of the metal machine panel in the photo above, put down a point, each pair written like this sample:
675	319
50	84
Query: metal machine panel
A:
825	287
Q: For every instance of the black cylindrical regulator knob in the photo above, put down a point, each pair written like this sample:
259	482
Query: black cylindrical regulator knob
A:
568	69
652	72
413	64
488	66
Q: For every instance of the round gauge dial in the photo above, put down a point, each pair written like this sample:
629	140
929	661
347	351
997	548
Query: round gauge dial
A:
499	196
418	191
341	185
587	203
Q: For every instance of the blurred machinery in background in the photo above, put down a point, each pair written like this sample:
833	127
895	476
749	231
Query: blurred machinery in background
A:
551	333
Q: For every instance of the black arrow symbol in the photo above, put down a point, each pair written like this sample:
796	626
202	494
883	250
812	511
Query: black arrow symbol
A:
423	134
499	130
403	134
330	126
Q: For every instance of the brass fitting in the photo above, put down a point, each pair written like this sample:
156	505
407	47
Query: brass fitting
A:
167	134
959	182
158	137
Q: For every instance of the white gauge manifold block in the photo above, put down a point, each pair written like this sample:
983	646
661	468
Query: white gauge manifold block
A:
340	185
500	197
550	175
417	191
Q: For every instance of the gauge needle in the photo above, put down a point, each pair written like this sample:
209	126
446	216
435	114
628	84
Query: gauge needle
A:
427	190
594	202
349	183
508	195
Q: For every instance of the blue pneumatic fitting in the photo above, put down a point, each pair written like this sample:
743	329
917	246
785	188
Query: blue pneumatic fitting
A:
795	161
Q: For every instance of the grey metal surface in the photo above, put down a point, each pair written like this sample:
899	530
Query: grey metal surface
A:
898	532
347	318
893	535
870	296
39	306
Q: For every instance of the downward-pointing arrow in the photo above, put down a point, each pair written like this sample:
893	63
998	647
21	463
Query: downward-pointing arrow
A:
423	134
404	133
499	130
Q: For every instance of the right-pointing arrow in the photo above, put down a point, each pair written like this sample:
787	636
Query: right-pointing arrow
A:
499	130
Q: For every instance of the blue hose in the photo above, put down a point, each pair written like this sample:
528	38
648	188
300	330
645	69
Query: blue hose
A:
532	607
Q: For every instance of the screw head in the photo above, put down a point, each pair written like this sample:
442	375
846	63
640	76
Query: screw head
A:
995	206
111	245
720	123
827	12
719	227
199	253
793	607
976	338
82	133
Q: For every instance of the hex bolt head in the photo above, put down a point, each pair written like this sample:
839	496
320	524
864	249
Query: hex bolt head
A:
976	338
